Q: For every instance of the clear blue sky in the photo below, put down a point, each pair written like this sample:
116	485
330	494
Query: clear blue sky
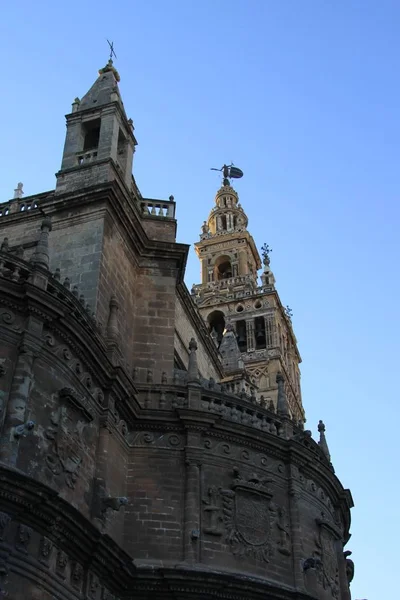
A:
303	95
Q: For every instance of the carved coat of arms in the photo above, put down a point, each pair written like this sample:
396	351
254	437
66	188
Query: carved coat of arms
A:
66	433
247	516
327	552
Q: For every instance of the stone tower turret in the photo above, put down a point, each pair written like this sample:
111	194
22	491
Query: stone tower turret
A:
99	143
230	290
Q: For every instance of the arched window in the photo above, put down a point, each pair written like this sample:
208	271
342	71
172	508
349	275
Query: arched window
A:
223	268
216	322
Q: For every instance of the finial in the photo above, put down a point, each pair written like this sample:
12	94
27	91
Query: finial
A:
18	192
288	312
193	369
75	105
282	407
322	440
41	255
266	251
5	245
229	172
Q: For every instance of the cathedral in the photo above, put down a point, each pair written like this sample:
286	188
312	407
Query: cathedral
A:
153	442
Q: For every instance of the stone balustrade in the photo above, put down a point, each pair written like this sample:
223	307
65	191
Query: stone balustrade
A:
83	158
17	205
158	208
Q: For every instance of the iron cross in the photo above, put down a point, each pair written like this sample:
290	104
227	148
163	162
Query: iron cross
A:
112	53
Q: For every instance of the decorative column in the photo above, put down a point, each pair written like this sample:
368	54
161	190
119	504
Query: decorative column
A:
270	331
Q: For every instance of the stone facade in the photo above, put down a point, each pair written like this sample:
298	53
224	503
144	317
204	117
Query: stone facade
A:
136	462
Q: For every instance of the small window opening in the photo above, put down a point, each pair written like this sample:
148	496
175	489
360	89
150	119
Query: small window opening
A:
223	268
121	143
92	135
216	322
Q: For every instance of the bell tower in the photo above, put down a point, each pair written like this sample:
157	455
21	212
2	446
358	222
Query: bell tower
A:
230	294
99	143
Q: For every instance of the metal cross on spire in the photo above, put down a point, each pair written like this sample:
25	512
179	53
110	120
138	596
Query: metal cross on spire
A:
112	53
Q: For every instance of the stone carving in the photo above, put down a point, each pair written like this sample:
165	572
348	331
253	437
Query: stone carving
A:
93	587
67	445
23	538
68	395
247	519
310	486
156	438
282	523
237	452
61	563
212	512
45	549
77	575
4	521
328	574
349	566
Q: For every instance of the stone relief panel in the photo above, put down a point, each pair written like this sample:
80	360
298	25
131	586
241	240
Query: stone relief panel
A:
156	439
27	544
10	320
69	436
228	448
246	517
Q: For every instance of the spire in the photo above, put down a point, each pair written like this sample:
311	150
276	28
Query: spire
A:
322	440
40	257
282	407
229	350
98	132
18	192
104	90
193	369
267	277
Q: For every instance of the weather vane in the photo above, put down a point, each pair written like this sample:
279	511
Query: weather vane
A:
229	172
266	251
112	53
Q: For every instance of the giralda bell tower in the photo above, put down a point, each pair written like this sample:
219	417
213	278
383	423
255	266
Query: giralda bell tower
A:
232	296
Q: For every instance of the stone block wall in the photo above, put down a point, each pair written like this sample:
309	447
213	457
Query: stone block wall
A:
185	330
154	516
